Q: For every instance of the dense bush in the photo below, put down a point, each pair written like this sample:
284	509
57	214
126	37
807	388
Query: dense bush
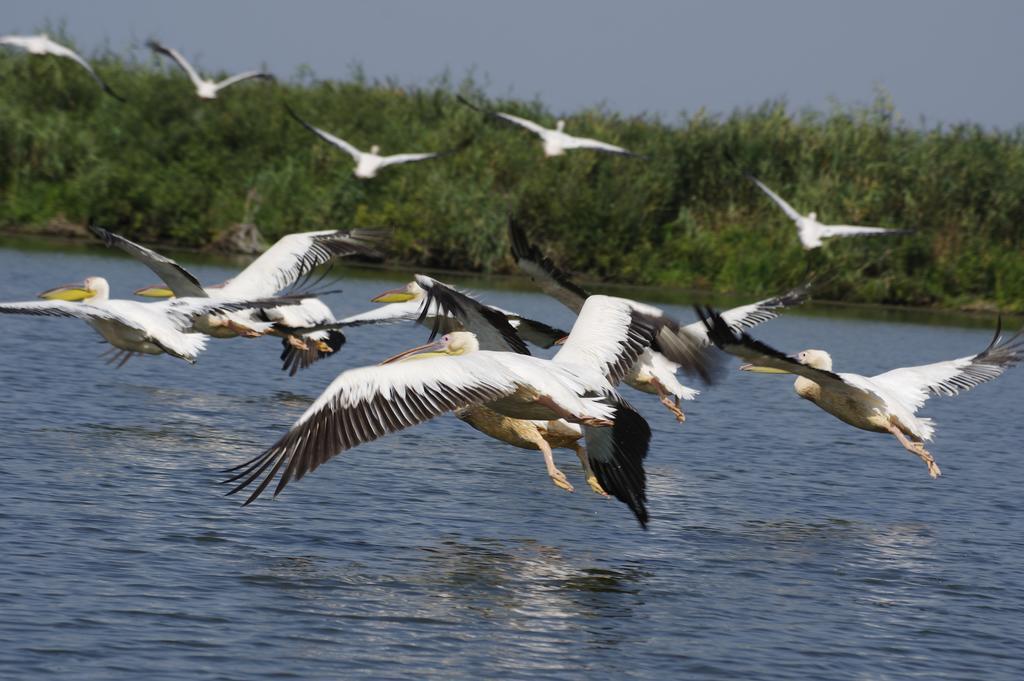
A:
168	167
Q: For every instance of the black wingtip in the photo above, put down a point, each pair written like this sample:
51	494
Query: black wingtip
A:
463	100
623	477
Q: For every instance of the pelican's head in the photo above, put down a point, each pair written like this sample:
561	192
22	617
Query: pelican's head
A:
816	359
560	125
155	291
449	345
411	291
92	287
812	215
375	150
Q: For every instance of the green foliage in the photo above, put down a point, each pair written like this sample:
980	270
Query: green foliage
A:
168	167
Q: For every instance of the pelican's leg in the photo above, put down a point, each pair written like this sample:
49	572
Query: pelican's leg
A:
671	402
323	347
242	329
581	453
916	447
296	342
557	476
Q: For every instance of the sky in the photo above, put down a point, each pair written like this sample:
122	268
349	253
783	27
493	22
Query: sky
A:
941	61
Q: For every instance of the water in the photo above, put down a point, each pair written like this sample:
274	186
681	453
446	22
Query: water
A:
783	544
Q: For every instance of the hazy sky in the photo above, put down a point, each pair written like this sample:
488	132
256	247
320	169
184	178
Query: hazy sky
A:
946	61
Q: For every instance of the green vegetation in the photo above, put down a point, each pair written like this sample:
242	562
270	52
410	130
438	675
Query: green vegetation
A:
167	167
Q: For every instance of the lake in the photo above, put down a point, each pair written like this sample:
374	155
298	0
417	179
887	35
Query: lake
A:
783	544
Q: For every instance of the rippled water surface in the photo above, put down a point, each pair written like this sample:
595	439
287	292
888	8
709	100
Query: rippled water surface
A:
783	544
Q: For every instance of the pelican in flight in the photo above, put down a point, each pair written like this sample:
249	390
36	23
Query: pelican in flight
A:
367	403
133	327
811	232
556	141
205	89
406	304
653	372
886	403
308	329
369	163
42	44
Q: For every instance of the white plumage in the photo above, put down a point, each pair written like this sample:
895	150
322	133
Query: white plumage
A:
42	44
205	88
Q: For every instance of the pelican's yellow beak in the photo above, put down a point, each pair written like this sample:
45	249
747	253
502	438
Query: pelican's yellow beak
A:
762	370
435	349
72	292
156	291
395	295
561	341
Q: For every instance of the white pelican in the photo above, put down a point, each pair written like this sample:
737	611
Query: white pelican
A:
368	163
812	232
556	141
653	373
42	44
205	89
281	266
886	403
132	327
367	403
405	304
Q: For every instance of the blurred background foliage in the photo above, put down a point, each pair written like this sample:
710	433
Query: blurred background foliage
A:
168	168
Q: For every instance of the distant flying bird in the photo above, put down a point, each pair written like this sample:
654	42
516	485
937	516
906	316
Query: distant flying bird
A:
206	89
308	330
130	326
653	372
812	232
369	163
41	44
556	141
368	403
886	403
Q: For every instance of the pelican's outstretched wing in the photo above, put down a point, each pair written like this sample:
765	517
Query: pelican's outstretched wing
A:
58	50
295	256
827	231
609	334
364	404
491	327
178	59
532	331
395	159
749	316
916	384
543	271
326	136
244	75
181	282
392	313
572	142
788	209
535	128
63	308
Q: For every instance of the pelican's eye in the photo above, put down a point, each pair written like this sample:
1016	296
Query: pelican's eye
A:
444	338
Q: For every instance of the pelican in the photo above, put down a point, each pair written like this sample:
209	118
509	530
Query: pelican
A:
205	89
653	372
367	403
812	232
291	259
42	44
132	327
886	403
369	163
405	304
556	141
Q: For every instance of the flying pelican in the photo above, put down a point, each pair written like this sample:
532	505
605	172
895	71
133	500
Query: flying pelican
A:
365	404
291	259
206	89
405	304
653	373
133	327
812	232
445	309
369	163
886	403
556	141
42	44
